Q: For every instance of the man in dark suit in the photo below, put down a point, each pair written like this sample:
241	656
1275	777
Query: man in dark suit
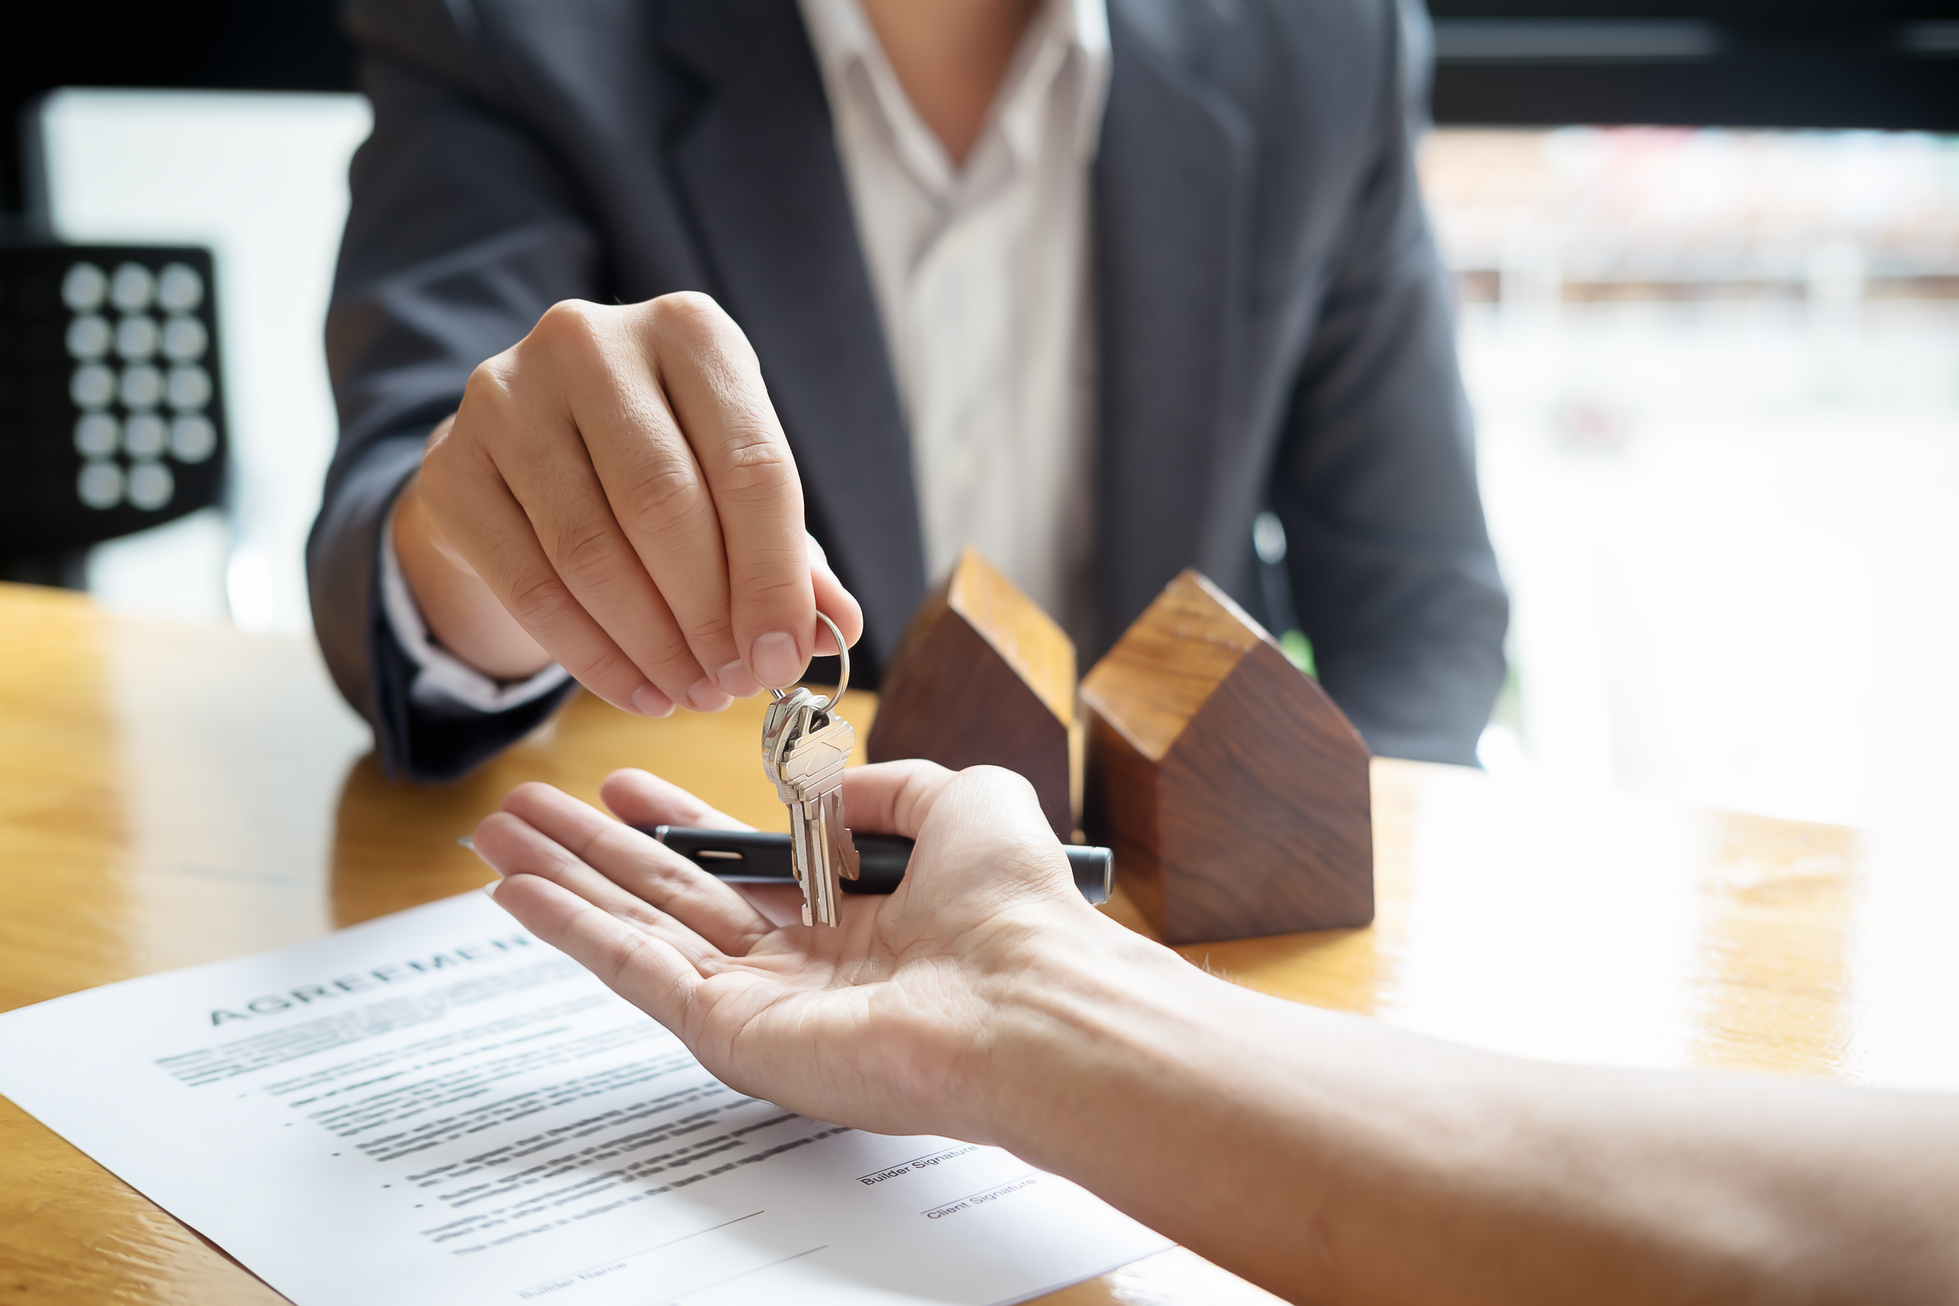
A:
1089	285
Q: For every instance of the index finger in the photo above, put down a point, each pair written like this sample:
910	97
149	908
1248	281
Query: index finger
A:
641	798
643	966
615	867
714	383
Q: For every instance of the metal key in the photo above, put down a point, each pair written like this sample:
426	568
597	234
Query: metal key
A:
804	748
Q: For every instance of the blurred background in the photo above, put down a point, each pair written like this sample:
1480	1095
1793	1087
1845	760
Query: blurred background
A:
1708	263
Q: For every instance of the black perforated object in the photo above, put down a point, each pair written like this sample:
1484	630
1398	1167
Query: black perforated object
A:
111	395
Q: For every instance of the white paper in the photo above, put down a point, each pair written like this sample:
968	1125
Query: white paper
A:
436	1107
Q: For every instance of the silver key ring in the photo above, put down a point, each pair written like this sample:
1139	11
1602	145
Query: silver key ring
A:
843	675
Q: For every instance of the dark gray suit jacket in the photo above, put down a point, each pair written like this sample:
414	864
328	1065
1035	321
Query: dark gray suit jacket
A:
1273	323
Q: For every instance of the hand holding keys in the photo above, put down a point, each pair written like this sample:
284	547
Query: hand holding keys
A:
804	748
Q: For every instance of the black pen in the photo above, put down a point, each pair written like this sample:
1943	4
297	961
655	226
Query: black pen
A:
754	856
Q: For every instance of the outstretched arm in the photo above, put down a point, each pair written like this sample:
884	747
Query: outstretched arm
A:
1324	1156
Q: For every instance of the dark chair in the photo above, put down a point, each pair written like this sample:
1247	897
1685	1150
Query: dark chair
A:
111	399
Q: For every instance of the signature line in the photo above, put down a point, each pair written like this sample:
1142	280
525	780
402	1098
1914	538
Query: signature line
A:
695	1292
643	1251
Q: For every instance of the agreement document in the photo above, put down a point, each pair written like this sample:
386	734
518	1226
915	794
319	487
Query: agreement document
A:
436	1107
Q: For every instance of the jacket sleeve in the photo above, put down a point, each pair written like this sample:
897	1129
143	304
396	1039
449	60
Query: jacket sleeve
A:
460	234
1392	572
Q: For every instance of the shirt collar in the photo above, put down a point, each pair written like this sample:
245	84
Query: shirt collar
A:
1065	51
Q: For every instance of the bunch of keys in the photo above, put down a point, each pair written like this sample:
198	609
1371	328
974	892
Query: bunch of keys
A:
804	747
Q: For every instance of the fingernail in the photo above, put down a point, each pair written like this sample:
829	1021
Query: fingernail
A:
702	696
735	680
469	842
774	660
648	701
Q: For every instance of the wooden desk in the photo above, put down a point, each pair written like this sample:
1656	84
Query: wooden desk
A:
172	795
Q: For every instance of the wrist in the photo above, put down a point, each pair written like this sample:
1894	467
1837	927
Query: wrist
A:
462	614
1076	1008
419	544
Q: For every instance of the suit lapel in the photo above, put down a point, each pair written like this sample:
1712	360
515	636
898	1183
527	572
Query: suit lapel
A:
758	166
1171	197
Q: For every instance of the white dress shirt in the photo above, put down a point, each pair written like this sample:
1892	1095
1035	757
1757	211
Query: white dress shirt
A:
981	274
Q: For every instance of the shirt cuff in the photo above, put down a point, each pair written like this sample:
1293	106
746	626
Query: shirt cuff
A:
443	681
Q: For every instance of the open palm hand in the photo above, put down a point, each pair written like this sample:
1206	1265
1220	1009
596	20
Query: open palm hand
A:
878	1022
